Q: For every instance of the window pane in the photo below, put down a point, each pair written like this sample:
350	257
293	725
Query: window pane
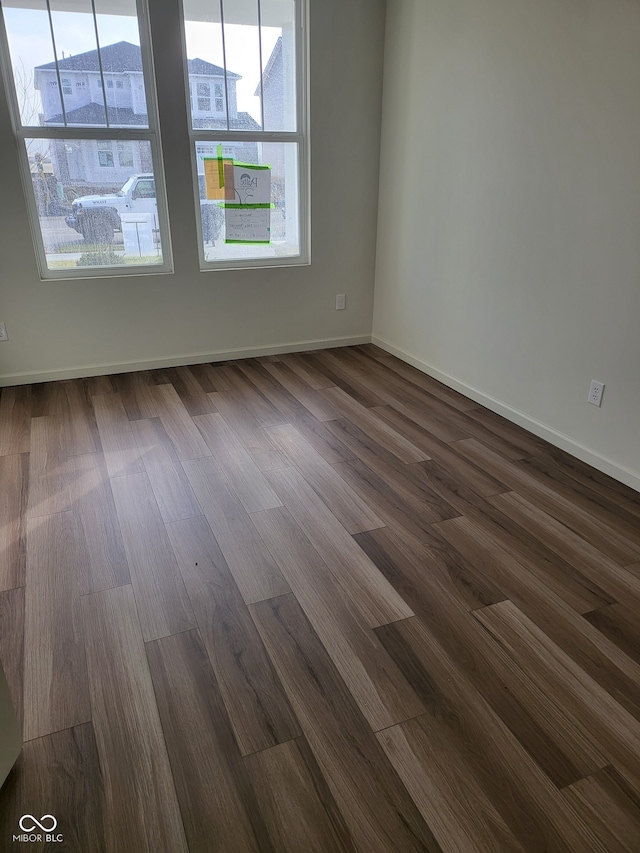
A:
59	71
94	210
279	64
280	223
250	50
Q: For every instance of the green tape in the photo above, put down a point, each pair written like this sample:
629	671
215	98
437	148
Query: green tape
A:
233	206
249	165
250	242
220	167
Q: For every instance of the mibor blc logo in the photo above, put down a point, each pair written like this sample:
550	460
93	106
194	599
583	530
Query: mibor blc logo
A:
38	830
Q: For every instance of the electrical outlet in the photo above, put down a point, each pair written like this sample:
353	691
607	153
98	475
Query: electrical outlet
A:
341	301
595	392
3	332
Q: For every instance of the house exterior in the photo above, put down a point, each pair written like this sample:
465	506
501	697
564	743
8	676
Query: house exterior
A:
121	102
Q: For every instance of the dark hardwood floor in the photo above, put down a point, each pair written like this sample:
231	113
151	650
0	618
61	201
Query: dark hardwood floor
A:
312	602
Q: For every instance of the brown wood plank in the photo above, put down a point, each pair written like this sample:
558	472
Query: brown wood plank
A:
209	377
375	807
620	623
599	657
57	775
295	801
584	497
356	575
121	452
253	437
46	399
98	385
577	519
315	401
49	479
371	424
252	566
591	709
56	694
308	369
142	808
443	453
317	433
193	397
342	500
459	735
212	786
485	666
178	425
80	418
582	592
426	383
169	482
15	419
255	371
92	500
259	712
335	373
162	600
610	807
395	499
574	549
136	393
12	644
414	405
14	476
257	401
612	489
444	790
239	469
381	692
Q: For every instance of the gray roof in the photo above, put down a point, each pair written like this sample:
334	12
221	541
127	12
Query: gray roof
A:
244	121
93	114
124	57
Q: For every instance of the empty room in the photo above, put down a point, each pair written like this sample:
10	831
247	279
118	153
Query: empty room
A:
320	426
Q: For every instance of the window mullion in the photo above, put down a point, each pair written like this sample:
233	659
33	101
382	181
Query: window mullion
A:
55	57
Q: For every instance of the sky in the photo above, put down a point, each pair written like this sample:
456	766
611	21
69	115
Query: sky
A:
30	43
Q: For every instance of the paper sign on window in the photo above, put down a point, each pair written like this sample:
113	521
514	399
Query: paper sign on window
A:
248	217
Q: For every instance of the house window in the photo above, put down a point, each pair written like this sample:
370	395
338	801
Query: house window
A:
250	154
105	152
204	97
219	94
78	155
125	154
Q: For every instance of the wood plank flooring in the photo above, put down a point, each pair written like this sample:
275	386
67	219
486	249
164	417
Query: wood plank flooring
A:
316	602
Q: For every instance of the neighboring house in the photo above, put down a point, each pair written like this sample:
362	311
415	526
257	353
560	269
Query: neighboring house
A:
107	164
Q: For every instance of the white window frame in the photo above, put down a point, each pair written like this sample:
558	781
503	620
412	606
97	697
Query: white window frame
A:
299	136
73	132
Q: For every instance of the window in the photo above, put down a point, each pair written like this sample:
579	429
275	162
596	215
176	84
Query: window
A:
219	98
250	157
88	158
105	153
204	97
125	155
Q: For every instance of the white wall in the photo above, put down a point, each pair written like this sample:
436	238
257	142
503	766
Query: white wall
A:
62	329
509	232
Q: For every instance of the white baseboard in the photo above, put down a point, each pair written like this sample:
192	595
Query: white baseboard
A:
558	439
177	360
